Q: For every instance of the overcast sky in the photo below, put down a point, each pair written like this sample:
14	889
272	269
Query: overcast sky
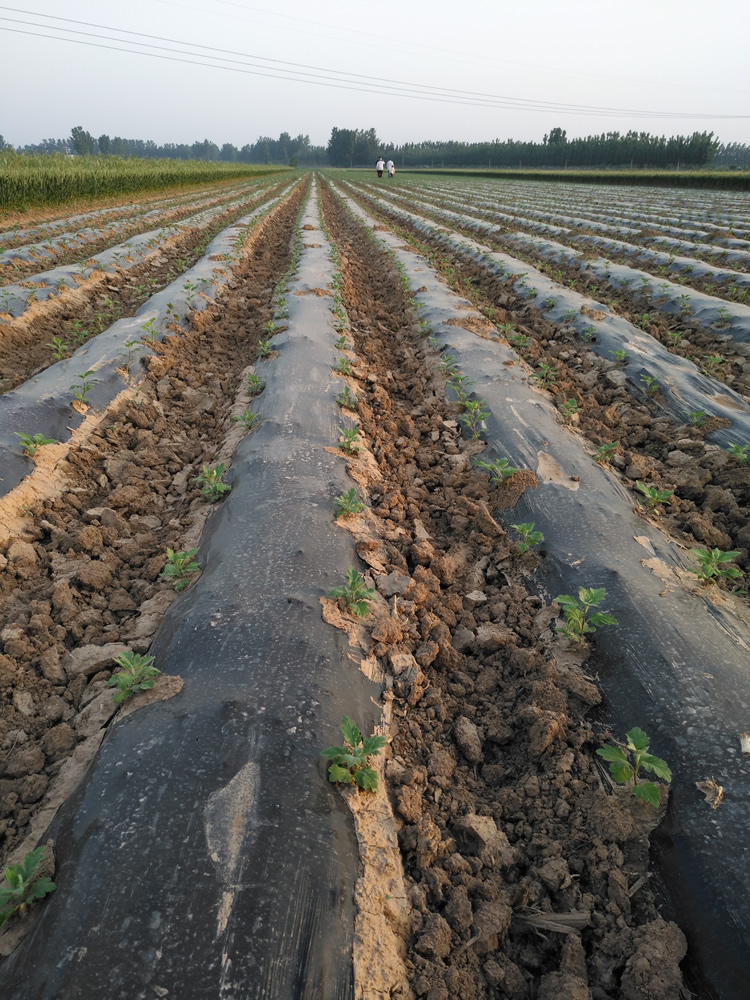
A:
394	66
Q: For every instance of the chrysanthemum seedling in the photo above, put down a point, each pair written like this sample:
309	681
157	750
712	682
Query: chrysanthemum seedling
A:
348	503
588	332
22	887
604	452
713	365
210	479
714	565
653	496
180	566
341	344
448	364
349	440
529	537
498	470
520	342
621	356
698	417
546	376
255	385
740	451
82	388
137	674
625	763
350	764
59	348
578	621
355	595
569	315
264	349
473	416
33	442
650	384
150	332
343	367
247	418
347	400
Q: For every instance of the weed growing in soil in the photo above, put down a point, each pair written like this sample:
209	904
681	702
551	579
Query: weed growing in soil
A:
604	452
546	376
343	367
653	496
33	442
625	771
350	763
347	400
180	565
473	415
247	418
348	503
83	388
355	595
59	349
210	479
255	385
578	622
22	888
137	674
529	537
349	440
714	565
740	452
569	409
499	470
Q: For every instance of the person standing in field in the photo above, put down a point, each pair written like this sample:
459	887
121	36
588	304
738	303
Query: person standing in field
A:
391	168
379	166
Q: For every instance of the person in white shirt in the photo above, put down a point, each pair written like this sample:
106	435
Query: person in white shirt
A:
391	167
379	166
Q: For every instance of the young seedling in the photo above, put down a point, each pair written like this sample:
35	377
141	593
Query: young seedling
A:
698	417
473	416
83	388
348	503
255	385
625	770
137	674
588	333
22	888
33	442
59	348
740	452
674	337
350	764
653	496
724	316
448	364
529	537
604	452
264	349
578	621
546	376
349	440
650	384
569	409
342	343
498	470
270	328
210	479
713	364
180	565
247	418
548	304
520	342
347	400
355	595
569	315
713	565
343	367
150	332
621	357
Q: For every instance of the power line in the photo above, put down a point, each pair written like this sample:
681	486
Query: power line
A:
301	72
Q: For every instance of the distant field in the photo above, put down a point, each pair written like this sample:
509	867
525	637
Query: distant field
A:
29	181
726	180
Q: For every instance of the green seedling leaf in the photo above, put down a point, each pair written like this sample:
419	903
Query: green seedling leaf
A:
647	792
367	779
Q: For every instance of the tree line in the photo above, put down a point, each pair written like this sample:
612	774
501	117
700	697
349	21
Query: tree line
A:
356	147
362	147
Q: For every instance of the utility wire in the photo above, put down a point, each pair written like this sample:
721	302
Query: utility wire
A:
300	72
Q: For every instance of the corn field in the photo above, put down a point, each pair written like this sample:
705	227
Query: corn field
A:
28	180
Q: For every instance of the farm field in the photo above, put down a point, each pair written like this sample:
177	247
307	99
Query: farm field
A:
295	378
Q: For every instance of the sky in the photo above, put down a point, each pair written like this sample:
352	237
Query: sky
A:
467	70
